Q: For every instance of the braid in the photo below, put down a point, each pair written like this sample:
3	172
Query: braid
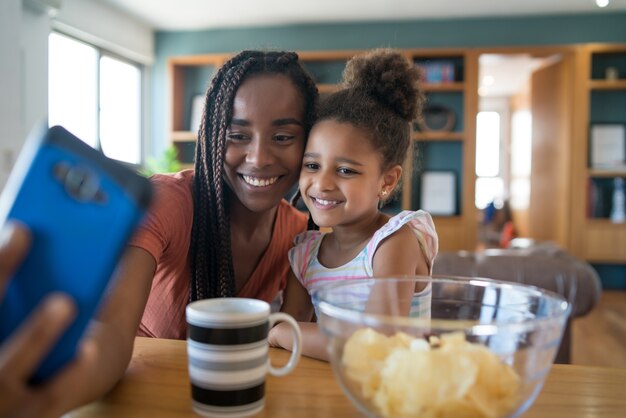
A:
211	261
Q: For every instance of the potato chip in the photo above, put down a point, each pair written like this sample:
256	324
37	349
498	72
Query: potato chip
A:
447	376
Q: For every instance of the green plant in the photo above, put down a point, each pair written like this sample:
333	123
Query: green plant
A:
167	163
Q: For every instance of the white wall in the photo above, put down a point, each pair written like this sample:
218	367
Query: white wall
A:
97	23
23	77
24	59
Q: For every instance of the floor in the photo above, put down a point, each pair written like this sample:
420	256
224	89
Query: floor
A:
599	338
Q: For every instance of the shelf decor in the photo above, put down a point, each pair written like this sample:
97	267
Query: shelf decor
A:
608	145
436	118
438	193
437	72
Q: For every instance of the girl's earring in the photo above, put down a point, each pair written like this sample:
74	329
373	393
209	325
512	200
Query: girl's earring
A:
384	194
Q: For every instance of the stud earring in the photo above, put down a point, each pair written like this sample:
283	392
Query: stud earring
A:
384	193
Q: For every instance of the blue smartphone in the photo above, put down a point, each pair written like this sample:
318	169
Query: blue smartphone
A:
81	208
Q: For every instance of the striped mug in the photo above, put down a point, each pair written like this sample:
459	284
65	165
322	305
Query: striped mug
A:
227	351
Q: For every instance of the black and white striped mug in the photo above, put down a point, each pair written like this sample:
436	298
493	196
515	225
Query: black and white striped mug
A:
227	351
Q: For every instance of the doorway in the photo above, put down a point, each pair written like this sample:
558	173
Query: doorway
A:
522	143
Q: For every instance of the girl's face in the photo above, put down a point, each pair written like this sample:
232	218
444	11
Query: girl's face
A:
265	141
341	178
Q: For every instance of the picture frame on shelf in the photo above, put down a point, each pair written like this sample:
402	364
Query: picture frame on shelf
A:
438	193
607	145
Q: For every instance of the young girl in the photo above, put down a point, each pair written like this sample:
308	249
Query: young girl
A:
352	164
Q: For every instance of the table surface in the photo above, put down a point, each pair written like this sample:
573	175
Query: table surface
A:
157	385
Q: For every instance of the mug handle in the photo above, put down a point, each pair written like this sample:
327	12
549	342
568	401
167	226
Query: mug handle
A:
297	343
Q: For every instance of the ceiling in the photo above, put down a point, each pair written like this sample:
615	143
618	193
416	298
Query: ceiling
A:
509	73
208	14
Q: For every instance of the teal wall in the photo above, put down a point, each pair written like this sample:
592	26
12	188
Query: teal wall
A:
451	33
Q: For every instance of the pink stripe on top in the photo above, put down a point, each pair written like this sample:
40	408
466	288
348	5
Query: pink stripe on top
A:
313	275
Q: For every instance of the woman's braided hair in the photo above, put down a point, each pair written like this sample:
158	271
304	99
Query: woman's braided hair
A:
212	272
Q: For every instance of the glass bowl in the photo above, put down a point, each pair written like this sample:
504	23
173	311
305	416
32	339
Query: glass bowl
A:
440	347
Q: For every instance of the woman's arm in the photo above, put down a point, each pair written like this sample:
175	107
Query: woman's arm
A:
106	349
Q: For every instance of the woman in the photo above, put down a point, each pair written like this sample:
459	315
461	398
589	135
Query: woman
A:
220	230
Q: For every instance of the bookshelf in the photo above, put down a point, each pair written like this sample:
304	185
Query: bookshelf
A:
600	101
188	77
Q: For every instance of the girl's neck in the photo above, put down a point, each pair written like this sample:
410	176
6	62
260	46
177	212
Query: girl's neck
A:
349	238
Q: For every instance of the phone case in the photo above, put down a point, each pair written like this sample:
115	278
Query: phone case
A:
81	208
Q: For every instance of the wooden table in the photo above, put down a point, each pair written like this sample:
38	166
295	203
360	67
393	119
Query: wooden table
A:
157	385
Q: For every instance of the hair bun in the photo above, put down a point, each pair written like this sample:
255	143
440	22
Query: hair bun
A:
389	78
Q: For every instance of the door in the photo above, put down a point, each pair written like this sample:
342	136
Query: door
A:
551	101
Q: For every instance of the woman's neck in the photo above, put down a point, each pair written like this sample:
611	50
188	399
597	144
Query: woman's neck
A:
247	223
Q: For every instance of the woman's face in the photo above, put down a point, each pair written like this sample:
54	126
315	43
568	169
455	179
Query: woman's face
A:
265	141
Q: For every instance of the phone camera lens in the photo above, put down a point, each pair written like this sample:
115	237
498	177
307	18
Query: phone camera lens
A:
79	182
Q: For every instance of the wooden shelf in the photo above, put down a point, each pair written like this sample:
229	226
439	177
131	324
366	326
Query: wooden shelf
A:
605	241
199	60
438	136
443	87
607	84
604	223
597	172
327	88
440	219
429	88
184	136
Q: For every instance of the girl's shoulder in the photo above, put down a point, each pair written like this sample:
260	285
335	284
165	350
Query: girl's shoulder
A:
307	238
419	221
420	230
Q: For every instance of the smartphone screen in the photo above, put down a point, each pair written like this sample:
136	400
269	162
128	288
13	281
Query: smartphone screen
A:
81	208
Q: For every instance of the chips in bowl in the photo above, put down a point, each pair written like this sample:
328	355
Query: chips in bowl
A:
447	377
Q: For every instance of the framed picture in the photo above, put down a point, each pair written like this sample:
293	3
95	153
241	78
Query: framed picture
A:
438	192
608	145
197	103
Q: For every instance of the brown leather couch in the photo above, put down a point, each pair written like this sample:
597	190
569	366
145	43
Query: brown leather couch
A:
545	266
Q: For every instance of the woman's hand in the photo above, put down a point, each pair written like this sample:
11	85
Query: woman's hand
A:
102	354
21	353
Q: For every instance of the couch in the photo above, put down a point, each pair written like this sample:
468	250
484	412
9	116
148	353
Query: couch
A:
546	266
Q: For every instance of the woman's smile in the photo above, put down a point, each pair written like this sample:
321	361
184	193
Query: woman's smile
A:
255	181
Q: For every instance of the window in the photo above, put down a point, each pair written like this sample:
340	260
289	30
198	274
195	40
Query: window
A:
96	96
489	184
521	149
